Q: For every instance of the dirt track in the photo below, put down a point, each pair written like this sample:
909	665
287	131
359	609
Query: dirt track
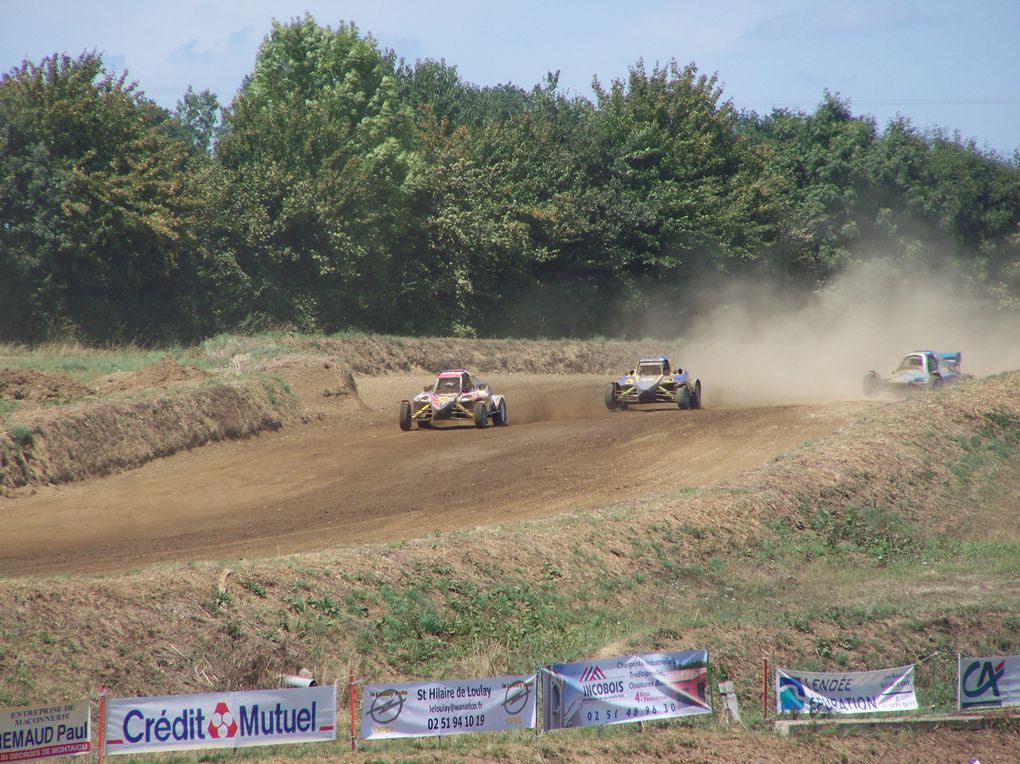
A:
351	476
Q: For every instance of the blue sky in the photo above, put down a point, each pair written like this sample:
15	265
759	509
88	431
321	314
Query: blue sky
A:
941	63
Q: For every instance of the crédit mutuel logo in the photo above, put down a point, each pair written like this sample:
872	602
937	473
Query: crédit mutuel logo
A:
222	725
987	679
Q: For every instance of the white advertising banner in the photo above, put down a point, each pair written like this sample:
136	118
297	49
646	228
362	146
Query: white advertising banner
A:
221	720
628	689
990	681
45	731
853	692
448	707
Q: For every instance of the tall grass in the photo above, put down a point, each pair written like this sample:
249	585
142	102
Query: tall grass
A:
79	362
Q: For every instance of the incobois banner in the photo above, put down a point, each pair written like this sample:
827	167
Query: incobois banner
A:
220	720
634	688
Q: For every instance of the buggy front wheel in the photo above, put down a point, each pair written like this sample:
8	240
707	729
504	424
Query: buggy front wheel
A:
481	414
683	398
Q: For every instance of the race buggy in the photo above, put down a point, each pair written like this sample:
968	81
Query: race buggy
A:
920	370
455	396
652	381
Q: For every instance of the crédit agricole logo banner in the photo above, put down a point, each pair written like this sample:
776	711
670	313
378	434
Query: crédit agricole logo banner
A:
989	681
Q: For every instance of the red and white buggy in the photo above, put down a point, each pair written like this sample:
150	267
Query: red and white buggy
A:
455	395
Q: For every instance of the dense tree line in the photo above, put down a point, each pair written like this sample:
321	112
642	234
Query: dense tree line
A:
343	189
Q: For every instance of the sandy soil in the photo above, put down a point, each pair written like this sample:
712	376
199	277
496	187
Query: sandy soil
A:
350	475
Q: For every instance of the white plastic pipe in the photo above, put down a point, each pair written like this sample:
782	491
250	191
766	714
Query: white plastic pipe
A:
298	681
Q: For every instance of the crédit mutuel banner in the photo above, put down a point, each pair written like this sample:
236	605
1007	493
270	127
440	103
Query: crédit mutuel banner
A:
220	720
852	692
44	731
448	707
628	689
990	681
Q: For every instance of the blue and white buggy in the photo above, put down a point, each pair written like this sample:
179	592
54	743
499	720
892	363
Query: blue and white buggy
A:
653	380
920	370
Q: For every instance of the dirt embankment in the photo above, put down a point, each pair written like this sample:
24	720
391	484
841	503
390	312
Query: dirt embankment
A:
906	456
378	355
125	419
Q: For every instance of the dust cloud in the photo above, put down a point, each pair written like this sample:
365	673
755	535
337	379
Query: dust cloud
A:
533	398
760	344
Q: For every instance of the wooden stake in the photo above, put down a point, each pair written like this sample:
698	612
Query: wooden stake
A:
354	740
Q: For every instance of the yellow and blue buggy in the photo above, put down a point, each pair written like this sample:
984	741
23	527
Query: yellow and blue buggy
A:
654	380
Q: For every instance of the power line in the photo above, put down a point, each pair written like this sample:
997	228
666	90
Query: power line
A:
898	102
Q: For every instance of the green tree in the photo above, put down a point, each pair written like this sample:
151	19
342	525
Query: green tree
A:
435	92
672	186
975	200
95	219
318	140
198	114
467	251
823	160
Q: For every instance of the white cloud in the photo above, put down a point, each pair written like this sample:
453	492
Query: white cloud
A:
190	53
840	20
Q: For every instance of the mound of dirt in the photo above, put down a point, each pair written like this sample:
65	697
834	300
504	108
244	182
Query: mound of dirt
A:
376	356
122	425
910	456
313	377
164	373
99	437
37	386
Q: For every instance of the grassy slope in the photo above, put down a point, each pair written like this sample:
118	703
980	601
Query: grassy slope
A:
882	545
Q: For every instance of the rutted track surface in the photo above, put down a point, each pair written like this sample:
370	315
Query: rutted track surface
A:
352	476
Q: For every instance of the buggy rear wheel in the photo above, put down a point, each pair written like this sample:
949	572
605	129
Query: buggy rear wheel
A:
696	399
405	415
871	384
610	397
481	414
500	416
